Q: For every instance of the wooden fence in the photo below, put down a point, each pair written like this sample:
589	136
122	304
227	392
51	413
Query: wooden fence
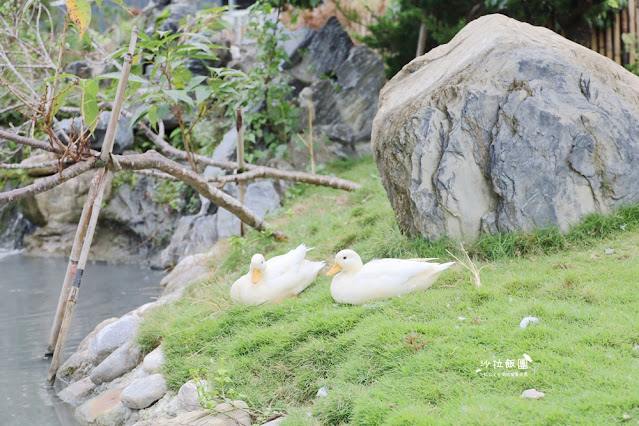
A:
608	41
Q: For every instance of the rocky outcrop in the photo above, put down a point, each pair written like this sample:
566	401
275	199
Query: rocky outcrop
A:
342	81
507	127
197	233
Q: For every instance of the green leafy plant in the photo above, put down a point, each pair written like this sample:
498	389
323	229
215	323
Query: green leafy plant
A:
214	386
172	87
272	116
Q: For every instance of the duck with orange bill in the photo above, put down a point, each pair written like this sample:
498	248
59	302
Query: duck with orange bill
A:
356	283
277	278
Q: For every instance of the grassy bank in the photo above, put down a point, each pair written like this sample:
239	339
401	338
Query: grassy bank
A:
414	360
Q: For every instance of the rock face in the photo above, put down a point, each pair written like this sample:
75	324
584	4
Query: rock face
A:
507	127
343	81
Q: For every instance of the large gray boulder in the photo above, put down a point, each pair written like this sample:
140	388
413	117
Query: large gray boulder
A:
194	234
507	127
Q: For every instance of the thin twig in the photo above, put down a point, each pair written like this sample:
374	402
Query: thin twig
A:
469	264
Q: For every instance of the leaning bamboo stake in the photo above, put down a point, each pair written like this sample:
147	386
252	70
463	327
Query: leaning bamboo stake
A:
609	52
602	42
632	27
72	265
593	39
239	123
310	135
617	38
96	204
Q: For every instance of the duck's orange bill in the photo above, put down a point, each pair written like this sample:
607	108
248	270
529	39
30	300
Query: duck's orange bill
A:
334	270
256	276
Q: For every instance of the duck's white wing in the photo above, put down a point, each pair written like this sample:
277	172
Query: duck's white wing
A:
395	270
286	262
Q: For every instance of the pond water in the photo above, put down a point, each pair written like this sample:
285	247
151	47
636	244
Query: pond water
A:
29	291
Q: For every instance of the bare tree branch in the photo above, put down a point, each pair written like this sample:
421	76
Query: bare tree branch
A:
153	160
269	172
48	182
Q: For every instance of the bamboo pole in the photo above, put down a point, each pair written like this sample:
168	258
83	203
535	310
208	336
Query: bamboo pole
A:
96	204
624	30
421	39
609	52
72	265
593	39
632	27
617	38
239	123
602	42
310	135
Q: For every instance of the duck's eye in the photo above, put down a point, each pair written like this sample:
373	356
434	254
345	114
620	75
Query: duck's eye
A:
344	257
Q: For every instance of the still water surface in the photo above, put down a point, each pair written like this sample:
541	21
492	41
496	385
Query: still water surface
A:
29	290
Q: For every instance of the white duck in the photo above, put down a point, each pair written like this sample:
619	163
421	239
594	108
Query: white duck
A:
276	279
380	279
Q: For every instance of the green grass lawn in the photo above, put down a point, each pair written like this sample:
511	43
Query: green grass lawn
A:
414	360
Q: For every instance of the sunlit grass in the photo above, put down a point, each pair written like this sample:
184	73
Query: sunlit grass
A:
412	360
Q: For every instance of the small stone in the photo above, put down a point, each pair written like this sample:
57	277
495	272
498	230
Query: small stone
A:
120	362
461	318
188	396
626	416
622	227
528	320
111	337
510	300
532	394
76	392
144	392
154	360
448	305
322	393
609	251
636	347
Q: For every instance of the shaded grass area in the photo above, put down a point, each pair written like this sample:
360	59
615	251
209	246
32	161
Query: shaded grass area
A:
414	360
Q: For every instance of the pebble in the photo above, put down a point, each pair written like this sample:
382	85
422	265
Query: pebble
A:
528	320
461	318
532	394
609	251
322	393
